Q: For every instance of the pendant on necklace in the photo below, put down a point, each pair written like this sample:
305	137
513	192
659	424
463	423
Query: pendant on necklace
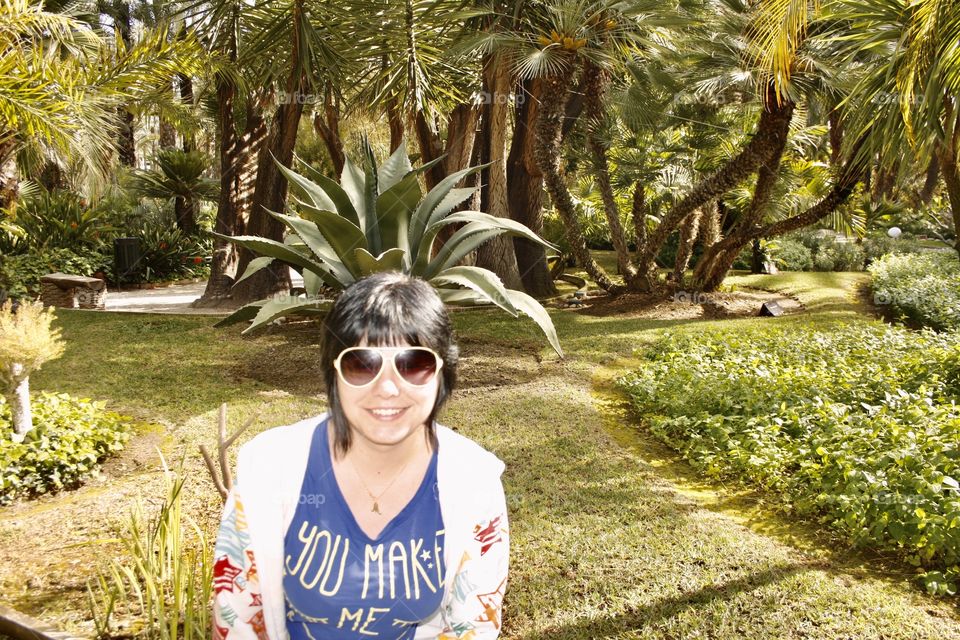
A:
376	507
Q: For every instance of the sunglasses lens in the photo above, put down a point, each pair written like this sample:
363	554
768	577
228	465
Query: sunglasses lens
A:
416	366
360	366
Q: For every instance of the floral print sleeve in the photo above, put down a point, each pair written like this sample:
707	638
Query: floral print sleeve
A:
474	611
237	607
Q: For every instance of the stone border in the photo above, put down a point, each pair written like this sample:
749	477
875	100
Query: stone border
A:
23	627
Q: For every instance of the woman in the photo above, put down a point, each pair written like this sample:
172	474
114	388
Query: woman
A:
371	520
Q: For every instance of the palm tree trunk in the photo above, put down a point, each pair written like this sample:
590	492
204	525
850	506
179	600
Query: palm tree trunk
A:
9	180
327	125
638	214
839	194
689	229
710	224
186	97
119	11
947	155
596	83
548	156
395	122
951	178
497	254
525	190
719	257
183	211
269	194
774	119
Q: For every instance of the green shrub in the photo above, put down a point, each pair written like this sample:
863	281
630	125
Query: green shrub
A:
924	288
60	219
791	255
70	438
838	256
20	274
857	426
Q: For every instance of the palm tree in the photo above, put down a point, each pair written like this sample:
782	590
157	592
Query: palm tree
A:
44	106
61	84
179	175
570	40
910	90
272	58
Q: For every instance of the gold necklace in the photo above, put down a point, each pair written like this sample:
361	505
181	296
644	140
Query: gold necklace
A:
376	499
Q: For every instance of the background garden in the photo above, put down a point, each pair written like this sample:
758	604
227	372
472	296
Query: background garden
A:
603	192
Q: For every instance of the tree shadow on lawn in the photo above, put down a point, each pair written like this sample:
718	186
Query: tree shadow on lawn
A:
637	617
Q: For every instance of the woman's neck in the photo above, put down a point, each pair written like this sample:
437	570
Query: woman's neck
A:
378	459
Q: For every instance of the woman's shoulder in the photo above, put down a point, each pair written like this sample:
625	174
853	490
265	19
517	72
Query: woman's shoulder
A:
458	449
281	441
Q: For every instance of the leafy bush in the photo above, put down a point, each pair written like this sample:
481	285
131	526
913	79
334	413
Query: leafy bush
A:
69	439
785	253
858	426
60	219
838	256
20	274
924	288
792	255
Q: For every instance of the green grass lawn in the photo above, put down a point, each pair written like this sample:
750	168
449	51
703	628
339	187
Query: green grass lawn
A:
612	535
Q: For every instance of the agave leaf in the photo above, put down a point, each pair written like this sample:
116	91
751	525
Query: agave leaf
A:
371	194
284	306
305	190
464	297
395	169
255	265
353	182
480	280
389	260
312	283
246	312
491	222
394	207
340	199
453	252
274	249
532	308
452	200
339	233
429	211
317	242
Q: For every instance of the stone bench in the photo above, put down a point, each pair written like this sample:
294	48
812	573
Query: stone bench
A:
72	292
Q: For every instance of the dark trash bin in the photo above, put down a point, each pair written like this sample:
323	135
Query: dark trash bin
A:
126	259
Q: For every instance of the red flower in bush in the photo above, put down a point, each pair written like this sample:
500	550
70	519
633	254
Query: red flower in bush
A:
197	260
73	225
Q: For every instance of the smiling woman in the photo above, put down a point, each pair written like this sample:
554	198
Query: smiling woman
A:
372	519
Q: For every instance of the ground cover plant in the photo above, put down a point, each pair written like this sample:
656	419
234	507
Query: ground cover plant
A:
70	439
858	425
610	538
924	289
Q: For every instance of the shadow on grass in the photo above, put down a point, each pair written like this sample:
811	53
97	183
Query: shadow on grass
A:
636	617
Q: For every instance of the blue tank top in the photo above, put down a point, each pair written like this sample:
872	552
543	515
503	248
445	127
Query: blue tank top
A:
340	583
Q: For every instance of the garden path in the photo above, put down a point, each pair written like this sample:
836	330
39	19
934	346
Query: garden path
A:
176	298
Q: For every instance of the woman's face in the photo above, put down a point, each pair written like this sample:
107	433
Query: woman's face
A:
389	410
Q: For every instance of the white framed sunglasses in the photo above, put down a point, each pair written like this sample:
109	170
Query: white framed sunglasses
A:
360	367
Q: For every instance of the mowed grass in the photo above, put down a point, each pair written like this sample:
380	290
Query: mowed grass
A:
609	540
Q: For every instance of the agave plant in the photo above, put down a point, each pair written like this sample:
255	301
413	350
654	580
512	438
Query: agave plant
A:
378	219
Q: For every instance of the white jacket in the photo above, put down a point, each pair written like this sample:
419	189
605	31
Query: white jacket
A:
248	571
